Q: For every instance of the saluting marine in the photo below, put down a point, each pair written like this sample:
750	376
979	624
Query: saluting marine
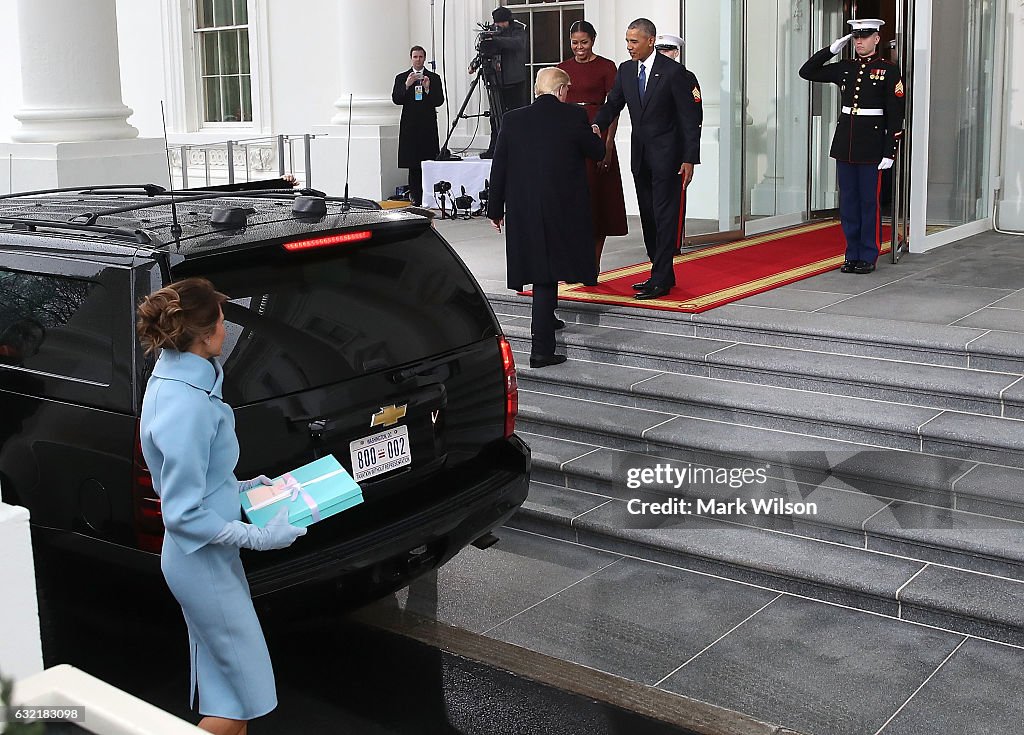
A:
867	136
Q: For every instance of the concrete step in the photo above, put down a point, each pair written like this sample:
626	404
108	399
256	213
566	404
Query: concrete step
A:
843	512
912	384
868	337
884	583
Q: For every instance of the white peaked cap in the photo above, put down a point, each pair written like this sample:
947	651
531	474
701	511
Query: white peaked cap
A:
667	40
866	24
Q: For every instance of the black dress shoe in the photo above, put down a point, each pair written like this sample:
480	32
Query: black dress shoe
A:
559	325
642	286
539	361
652	292
848	266
862	266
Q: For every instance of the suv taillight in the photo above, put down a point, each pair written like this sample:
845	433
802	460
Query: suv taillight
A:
511	386
149	523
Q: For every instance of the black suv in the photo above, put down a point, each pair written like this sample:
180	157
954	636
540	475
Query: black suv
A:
345	320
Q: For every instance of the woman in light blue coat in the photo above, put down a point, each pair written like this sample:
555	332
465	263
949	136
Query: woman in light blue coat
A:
189	443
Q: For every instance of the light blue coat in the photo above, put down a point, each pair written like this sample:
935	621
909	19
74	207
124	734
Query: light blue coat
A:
188	440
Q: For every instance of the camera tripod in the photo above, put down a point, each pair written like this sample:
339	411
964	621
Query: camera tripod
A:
489	75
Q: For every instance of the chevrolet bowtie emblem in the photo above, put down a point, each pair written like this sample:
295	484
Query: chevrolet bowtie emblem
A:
388	415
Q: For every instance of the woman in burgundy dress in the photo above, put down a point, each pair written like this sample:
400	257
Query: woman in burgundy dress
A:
592	78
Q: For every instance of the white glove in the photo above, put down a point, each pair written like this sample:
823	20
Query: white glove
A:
245	485
886	163
838	44
278	534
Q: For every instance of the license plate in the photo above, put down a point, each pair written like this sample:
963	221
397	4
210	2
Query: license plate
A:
380	453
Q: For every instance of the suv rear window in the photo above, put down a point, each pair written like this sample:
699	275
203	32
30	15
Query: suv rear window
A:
298	321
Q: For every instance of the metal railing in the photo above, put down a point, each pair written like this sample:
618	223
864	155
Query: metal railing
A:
221	162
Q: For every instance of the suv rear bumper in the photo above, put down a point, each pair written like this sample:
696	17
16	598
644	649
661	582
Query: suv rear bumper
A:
389	557
369	565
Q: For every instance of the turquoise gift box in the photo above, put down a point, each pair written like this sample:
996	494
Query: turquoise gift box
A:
311	493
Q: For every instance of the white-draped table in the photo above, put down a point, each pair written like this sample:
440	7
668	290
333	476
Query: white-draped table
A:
471	172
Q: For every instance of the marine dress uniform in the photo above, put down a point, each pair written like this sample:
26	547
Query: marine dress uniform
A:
865	142
188	440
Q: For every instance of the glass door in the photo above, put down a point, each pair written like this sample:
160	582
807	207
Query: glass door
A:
776	126
828	22
714	53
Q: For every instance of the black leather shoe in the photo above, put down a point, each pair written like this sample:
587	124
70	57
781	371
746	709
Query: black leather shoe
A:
559	325
642	286
862	266
539	361
848	266
653	292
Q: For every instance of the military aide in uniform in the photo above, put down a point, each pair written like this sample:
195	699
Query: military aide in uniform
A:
867	136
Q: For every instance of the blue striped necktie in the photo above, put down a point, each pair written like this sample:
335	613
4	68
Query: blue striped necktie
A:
642	83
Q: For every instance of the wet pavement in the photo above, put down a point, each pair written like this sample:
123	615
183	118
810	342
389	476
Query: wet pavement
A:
334	674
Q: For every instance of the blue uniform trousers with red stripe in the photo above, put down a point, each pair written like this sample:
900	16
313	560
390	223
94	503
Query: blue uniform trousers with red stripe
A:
860	186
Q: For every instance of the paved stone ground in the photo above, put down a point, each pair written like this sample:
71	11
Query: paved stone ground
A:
978	282
815	667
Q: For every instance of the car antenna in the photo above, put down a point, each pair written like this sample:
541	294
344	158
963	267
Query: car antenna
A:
175	227
348	152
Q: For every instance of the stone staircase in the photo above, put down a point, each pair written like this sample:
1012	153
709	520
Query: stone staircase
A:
904	442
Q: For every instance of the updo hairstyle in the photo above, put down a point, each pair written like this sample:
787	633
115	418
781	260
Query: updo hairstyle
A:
582	26
175	316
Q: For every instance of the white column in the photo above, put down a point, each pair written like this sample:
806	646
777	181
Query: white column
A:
372	41
74	127
369	60
71	81
20	649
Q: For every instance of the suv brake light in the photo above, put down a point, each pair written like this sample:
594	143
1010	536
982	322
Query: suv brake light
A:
511	386
149	523
323	242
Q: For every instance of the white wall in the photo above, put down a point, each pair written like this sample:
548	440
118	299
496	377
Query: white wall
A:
304	68
10	83
140	41
1011	205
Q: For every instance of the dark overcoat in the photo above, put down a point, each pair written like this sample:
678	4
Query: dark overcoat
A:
539	186
417	134
865	83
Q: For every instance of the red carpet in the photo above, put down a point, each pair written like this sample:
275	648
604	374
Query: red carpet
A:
723	273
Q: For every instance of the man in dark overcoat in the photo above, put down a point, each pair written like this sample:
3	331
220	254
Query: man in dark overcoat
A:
419	92
539	192
665	112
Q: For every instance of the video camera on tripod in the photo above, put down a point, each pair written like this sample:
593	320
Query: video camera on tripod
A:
485	65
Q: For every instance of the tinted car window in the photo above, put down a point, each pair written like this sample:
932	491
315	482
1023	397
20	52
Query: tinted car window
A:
299	320
55	325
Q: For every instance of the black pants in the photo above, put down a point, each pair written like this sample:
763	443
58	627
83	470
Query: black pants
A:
660	197
545	299
416	184
513	96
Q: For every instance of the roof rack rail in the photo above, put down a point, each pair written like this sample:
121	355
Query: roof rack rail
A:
91	217
143	237
148	189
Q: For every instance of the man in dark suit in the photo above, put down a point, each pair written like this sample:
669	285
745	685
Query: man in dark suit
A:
665	111
539	190
418	91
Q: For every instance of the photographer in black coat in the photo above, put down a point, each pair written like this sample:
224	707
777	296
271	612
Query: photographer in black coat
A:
512	44
539	191
418	91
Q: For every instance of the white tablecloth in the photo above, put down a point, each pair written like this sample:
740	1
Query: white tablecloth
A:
469	172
